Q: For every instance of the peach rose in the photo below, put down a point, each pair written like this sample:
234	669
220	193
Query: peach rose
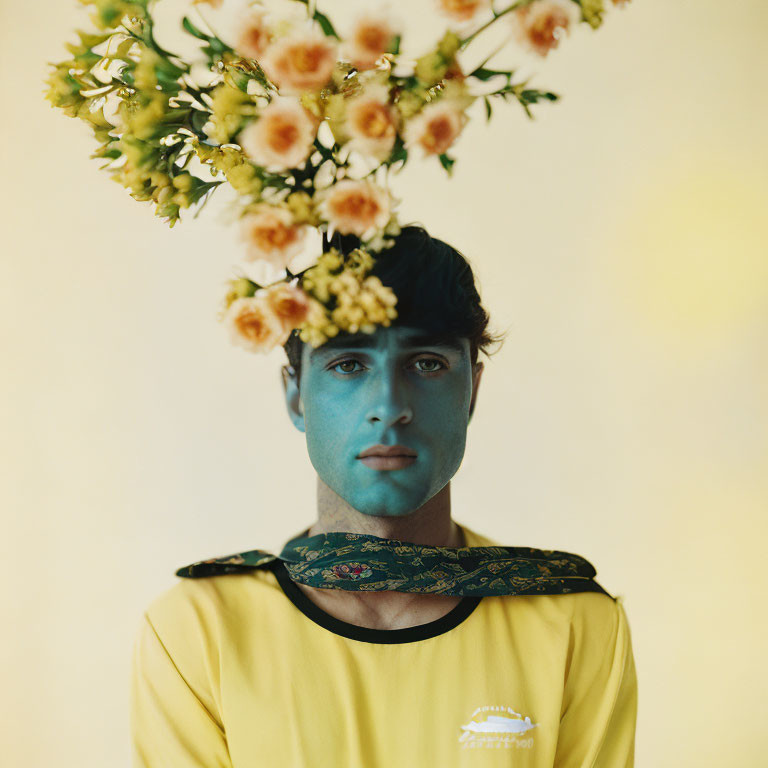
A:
356	207
254	36
435	127
462	10
301	61
254	325
370	37
282	137
541	25
289	303
272	235
371	122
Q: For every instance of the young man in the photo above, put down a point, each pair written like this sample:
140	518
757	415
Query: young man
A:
387	634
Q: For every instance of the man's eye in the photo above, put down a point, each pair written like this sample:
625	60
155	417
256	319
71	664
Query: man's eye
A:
432	364
348	362
423	365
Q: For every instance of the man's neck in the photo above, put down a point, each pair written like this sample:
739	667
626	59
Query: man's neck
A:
431	524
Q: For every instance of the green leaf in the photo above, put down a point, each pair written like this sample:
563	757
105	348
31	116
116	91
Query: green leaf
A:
216	47
447	162
485	74
193	30
530	96
203	189
213	48
198	120
167	82
399	153
325	153
325	24
394	49
240	79
409	83
488	110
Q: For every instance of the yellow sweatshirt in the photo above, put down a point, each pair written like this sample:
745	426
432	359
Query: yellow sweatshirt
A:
244	671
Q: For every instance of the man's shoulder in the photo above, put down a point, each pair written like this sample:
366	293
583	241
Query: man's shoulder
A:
201	602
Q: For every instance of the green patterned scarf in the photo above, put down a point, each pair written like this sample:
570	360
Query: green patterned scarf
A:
365	563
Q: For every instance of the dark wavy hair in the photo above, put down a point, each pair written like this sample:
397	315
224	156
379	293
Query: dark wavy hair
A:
435	289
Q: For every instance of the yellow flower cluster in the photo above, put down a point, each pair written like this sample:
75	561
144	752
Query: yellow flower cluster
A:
592	11
301	205
229	106
145	72
70	77
109	13
63	90
145	182
145	108
233	163
285	162
360	301
432	67
64	93
143	119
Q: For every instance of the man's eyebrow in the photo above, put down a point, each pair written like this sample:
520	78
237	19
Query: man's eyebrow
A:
348	342
435	340
417	340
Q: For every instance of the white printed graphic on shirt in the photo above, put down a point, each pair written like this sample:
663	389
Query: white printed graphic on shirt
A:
493	727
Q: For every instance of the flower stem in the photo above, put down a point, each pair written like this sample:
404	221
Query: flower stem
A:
491	55
519	4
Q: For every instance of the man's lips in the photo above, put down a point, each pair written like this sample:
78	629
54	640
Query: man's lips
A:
387	456
388	462
387	450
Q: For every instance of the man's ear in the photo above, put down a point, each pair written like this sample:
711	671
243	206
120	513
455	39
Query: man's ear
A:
476	376
292	397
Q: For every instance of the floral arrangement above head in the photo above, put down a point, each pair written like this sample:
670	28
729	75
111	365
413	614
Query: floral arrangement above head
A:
303	123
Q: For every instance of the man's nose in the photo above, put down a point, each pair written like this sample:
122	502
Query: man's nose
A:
390	403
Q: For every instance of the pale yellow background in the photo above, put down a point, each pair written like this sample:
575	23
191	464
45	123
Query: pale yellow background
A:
620	238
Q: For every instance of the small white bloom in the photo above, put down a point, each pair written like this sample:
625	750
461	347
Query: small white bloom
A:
254	325
282	137
301	61
271	234
541	25
371	35
371	123
436	127
356	207
463	11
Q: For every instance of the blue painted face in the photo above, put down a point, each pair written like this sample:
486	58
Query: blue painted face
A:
394	386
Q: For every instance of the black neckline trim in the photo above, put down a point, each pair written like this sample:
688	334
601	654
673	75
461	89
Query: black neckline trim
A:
366	634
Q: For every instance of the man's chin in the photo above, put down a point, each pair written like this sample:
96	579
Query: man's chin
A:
386	507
